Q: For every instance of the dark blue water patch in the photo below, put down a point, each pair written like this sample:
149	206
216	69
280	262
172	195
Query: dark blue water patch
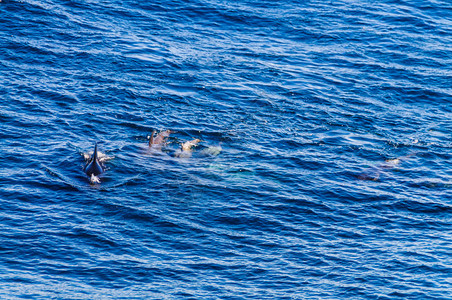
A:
302	98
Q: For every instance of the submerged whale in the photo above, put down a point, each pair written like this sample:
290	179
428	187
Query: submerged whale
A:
374	173
212	151
94	167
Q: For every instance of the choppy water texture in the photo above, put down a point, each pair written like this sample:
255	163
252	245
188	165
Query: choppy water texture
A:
312	104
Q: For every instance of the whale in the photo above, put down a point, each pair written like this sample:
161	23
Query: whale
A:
157	141
94	167
186	150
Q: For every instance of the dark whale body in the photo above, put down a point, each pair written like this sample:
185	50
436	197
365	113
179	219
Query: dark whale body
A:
93	167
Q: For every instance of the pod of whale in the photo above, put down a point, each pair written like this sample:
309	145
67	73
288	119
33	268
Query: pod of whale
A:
94	166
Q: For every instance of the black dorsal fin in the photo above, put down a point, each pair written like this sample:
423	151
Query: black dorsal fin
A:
95	153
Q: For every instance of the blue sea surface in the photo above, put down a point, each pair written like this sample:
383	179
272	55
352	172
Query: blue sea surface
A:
331	123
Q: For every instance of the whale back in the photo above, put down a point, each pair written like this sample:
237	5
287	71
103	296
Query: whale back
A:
151	139
160	138
93	167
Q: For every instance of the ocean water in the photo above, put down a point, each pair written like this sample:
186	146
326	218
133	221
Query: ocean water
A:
334	177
